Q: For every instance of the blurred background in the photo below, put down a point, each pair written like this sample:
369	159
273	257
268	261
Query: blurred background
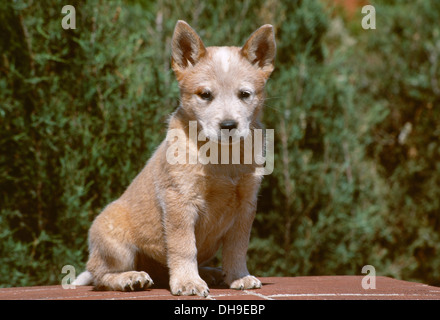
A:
356	115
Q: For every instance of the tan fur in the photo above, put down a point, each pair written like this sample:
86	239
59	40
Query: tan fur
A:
173	218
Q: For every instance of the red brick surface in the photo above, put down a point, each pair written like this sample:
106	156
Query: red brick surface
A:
274	288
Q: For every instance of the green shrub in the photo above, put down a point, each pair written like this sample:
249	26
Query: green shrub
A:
401	74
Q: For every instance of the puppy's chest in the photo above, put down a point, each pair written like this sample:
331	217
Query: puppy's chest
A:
224	200
220	206
221	195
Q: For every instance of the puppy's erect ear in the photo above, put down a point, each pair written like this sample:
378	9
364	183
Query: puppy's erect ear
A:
260	49
187	48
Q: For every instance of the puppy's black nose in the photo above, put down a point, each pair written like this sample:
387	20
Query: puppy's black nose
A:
228	124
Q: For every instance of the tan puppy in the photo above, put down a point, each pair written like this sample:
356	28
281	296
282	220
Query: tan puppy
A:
175	216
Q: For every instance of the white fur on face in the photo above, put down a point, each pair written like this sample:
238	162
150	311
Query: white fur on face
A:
223	55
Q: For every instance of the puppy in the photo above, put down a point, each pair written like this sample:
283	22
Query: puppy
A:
175	215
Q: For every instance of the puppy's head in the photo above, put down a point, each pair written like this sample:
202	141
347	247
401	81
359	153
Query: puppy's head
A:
222	87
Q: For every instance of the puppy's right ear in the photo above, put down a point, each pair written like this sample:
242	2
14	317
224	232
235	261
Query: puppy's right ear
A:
186	48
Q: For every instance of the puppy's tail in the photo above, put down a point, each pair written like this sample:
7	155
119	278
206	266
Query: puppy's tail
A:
84	279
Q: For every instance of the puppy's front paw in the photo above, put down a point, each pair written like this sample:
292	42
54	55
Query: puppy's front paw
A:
247	282
189	287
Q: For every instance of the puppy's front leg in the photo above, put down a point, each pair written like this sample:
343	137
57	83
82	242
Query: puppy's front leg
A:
235	245
182	252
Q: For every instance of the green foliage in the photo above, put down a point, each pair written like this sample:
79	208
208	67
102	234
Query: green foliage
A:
326	209
402	74
355	112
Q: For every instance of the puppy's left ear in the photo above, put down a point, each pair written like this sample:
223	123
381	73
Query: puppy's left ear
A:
260	49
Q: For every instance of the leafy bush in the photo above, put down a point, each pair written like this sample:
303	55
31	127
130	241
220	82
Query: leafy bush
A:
326	213
401	74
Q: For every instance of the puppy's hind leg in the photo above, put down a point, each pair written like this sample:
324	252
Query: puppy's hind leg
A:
112	260
125	281
115	271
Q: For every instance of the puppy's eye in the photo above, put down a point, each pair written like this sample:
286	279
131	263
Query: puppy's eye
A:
244	94
206	95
